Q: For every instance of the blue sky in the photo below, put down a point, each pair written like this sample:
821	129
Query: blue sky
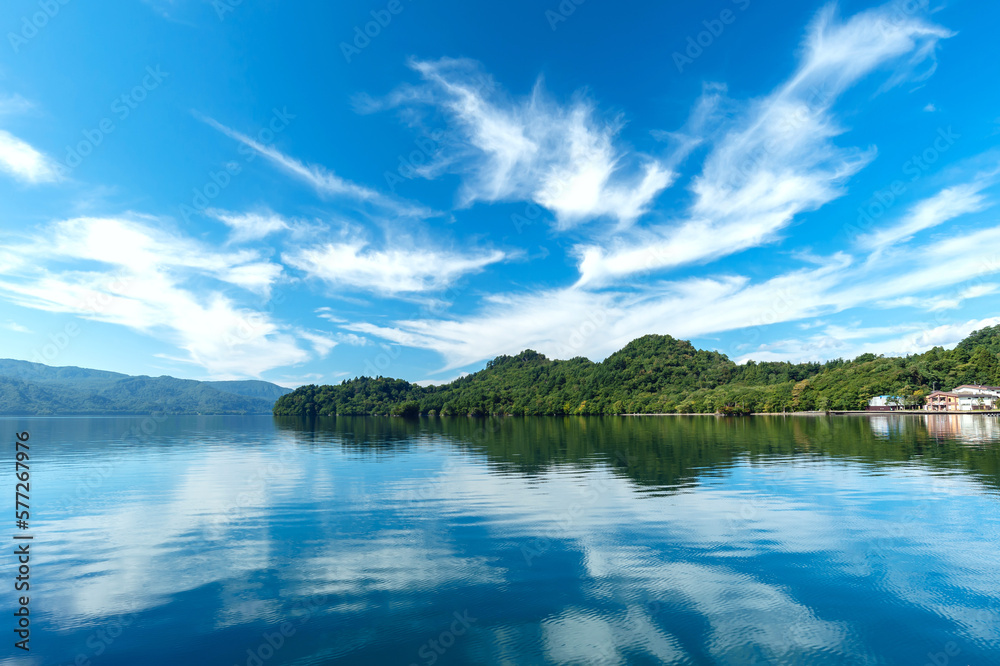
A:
244	189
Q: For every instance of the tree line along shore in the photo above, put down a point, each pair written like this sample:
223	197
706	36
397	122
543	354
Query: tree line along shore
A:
658	374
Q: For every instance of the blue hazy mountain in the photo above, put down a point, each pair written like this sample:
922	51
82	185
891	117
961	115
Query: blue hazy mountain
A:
33	388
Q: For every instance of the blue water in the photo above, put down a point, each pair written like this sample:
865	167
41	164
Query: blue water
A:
680	540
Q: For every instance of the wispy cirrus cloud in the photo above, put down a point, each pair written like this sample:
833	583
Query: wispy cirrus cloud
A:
323	343
18	158
949	204
769	161
563	157
401	269
25	163
573	321
950	301
249	226
908	338
14	104
777	159
322	180
14	326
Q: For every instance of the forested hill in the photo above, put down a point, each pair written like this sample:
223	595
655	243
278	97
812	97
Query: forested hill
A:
659	374
37	389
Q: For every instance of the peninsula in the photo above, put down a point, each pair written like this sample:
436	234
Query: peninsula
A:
657	374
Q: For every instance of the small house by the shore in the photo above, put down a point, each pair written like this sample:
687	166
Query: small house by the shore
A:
885	403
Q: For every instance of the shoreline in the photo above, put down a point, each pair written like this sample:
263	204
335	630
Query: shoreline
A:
839	412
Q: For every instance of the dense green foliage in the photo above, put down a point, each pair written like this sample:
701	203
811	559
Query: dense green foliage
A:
658	374
33	388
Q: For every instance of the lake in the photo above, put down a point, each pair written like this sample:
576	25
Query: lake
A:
256	541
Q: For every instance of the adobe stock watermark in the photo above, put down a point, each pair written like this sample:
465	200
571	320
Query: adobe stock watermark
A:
595	490
272	641
378	364
363	35
750	506
533	211
31	25
433	649
122	107
56	344
410	164
258	484
915	167
374	367
104	637
780	309
562	12
988	267
223	7
252	322
581	334
696	44
788	130
218	181
94	304
945	656
898	13
90	486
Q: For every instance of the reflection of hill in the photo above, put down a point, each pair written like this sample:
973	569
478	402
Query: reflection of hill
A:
673	452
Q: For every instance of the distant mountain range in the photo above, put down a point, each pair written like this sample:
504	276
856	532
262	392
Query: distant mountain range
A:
36	389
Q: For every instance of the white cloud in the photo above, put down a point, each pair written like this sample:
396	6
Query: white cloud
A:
351	339
439	382
562	323
944	335
950	301
295	382
14	326
978	290
561	157
393	271
948	204
327	313
321	342
249	226
23	162
778	159
14	104
324	342
508	324
834	341
321	179
897	340
127	273
135	246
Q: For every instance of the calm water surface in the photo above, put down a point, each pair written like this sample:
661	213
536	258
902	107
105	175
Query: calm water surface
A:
255	541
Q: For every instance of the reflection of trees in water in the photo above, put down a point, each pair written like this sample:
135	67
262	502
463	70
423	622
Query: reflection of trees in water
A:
676	451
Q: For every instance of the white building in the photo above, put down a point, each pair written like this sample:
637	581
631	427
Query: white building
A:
972	388
965	398
885	403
